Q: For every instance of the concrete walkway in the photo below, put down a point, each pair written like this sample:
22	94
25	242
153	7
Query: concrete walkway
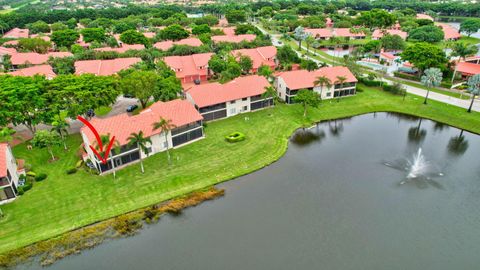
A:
463	103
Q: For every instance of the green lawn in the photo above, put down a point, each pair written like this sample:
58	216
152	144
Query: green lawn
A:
64	202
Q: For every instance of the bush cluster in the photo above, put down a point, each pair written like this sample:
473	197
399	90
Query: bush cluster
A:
71	170
40	177
235	137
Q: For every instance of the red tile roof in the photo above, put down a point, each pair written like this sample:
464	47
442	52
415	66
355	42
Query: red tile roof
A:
35	58
345	32
165	45
104	67
260	56
378	33
45	70
468	69
46	38
17	33
319	32
180	112
449	31
9	51
123	48
215	93
11	43
234	39
388	55
424	16
189	65
299	79
3	159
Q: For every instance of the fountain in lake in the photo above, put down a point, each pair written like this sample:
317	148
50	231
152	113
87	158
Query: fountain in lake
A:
419	170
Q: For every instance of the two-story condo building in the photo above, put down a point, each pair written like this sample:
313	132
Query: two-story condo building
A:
266	55
181	113
290	82
190	68
9	174
243	94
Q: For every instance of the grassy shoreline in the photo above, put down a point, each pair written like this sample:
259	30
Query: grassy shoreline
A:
63	203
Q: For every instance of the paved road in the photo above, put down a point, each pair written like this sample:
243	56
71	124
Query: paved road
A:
410	89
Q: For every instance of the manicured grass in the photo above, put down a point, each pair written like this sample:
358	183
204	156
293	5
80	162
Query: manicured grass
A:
65	202
437	90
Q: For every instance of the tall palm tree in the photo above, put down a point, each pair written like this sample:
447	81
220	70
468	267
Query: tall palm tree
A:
431	77
341	80
166	126
141	142
463	50
309	40
473	88
322	81
105	139
60	126
270	92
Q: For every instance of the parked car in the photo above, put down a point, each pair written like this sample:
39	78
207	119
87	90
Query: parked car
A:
132	108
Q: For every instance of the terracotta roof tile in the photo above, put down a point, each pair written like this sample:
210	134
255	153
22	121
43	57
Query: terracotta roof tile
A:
299	79
165	45
35	58
234	39
189	65
123	48
3	159
17	33
379	33
9	51
45	70
215	93
449	31
180	112
260	56
104	67
468	68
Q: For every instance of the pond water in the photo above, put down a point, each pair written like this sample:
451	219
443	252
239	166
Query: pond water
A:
349	194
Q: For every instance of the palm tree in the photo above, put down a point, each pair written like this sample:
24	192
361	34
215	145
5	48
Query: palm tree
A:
60	126
165	126
309	40
463	50
322	81
431	77
473	88
105	139
141	143
341	80
270	92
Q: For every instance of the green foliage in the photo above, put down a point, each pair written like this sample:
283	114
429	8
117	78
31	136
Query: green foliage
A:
173	32
58	26
201	29
463	50
32	174
373	46
427	33
79	164
424	55
235	137
246	28
470	26
133	37
65	38
376	18
217	64
423	22
40	177
286	55
396	89
245	63
93	34
307	98
37	45
38	27
406	76
308	64
71	171
235	16
393	42
62	65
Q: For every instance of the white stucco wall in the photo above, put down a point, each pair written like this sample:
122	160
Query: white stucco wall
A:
238	106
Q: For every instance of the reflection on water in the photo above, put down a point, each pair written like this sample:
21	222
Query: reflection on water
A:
416	135
304	137
457	145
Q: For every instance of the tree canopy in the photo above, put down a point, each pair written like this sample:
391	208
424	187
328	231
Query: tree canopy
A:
424	55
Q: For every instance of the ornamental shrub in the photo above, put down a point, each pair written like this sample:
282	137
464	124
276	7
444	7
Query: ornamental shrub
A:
71	170
40	177
235	137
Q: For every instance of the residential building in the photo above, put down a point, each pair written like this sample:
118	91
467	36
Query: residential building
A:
17	33
45	70
6	51
260	56
243	94
466	69
379	33
32	58
190	68
231	37
387	58
288	83
122	48
181	113
450	33
105	67
9	174
327	33
166	45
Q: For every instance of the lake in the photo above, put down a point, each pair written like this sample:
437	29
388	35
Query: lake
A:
340	198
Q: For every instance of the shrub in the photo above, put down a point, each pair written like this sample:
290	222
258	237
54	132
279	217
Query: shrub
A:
396	89
446	84
71	170
40	177
27	166
406	76
20	190
79	164
22	177
368	82
32	174
28	185
235	137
